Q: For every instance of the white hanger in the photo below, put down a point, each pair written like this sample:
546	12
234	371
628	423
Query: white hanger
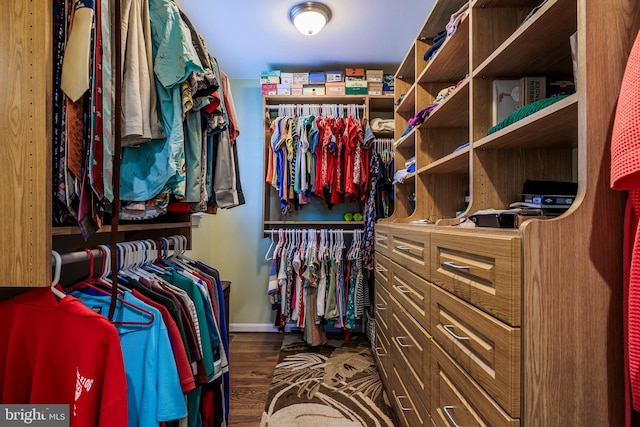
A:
266	256
57	270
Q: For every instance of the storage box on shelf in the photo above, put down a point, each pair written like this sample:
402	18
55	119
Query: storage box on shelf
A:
504	303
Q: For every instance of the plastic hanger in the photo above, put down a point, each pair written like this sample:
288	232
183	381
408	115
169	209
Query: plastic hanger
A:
57	271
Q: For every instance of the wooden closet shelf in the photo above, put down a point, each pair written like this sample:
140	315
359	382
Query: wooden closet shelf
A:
70	231
407	106
456	162
453	112
554	127
547	44
407	141
450	62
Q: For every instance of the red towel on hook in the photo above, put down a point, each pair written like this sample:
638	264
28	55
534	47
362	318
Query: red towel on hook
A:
625	175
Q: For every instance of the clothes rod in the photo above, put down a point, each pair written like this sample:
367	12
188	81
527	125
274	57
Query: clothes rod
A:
80	256
316	229
276	107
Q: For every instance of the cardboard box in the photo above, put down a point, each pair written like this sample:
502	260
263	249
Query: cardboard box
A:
267	77
374	88
356	83
286	78
375	76
313	89
317	77
335	88
355	79
301	78
296	89
354	72
355	90
269	89
284	89
506	96
387	92
334	76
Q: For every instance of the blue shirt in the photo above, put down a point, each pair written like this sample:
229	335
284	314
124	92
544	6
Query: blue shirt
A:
153	386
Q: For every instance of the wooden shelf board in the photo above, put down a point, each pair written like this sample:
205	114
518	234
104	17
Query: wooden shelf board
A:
407	106
314	99
554	127
453	112
407	70
506	3
451	62
456	162
70	231
378	103
547	45
406	141
439	17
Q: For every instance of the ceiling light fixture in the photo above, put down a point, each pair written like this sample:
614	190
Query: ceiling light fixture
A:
309	17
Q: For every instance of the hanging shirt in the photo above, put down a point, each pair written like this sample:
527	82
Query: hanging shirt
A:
154	393
158	166
61	352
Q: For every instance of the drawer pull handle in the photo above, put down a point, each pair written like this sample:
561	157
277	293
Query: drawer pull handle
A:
403	289
400	403
379	239
451	420
457	267
378	352
380	269
400	342
381	307
403	248
453	334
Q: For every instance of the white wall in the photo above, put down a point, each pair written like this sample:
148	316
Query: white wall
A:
231	240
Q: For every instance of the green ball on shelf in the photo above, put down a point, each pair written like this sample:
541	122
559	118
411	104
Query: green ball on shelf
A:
357	216
348	216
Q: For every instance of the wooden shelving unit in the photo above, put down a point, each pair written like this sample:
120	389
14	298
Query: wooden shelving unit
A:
561	277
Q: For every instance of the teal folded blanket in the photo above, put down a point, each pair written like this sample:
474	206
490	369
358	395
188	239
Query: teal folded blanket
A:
525	111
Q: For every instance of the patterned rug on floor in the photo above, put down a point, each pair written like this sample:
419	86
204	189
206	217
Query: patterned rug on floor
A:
337	387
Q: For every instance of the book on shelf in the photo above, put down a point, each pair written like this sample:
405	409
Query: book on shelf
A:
532	89
539	206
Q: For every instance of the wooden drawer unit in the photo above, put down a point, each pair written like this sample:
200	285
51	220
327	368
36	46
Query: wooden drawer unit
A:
486	348
383	267
458	401
382	310
411	352
382	355
482	269
410	410
382	239
412	293
409	247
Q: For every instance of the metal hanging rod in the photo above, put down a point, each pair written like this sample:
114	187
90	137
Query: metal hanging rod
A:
315	229
276	107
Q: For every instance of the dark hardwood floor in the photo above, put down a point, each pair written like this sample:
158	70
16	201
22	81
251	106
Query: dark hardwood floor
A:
252	358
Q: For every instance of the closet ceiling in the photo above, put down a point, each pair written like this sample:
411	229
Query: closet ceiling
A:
249	36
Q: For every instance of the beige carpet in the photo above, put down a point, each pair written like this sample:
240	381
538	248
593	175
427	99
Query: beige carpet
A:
336	387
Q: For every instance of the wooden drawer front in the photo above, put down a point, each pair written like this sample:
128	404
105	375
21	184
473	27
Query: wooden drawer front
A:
412	293
409	247
410	348
410	412
383	265
458	400
481	269
382	239
486	348
383	355
382	310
